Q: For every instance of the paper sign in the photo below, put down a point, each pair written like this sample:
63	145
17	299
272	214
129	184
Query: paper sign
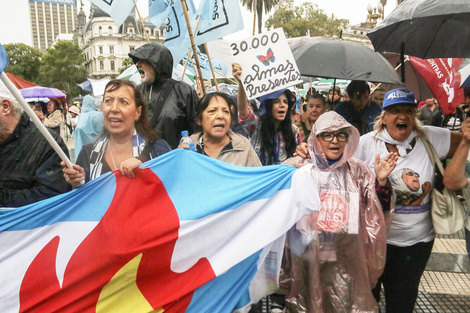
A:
267	63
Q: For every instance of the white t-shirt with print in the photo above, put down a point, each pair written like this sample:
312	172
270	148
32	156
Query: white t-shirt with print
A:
412	219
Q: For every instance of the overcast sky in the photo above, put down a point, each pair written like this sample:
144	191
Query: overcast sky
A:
15	23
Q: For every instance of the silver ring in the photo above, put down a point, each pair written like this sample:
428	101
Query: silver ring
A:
67	176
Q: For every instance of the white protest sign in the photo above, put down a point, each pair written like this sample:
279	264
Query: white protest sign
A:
267	63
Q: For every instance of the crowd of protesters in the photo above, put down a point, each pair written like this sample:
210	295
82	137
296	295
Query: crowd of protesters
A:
370	167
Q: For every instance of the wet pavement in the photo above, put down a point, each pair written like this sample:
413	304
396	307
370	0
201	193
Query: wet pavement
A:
445	285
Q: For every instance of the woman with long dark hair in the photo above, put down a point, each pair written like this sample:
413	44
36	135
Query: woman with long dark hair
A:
273	136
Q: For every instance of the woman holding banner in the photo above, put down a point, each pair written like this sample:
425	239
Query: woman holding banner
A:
272	134
126	142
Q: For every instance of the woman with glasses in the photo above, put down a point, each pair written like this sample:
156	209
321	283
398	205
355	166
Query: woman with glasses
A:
335	256
411	234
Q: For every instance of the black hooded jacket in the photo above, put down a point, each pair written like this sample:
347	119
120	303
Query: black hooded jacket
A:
29	167
179	108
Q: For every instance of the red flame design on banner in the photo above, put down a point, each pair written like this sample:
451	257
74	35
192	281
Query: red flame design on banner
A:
140	220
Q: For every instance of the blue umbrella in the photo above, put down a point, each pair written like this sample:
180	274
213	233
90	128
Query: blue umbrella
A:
41	92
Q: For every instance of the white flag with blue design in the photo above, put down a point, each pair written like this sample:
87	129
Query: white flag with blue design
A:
119	10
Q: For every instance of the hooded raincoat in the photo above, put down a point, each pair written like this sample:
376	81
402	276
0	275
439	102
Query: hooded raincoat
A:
89	124
178	98
334	257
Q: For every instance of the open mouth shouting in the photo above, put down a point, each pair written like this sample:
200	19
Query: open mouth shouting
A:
113	121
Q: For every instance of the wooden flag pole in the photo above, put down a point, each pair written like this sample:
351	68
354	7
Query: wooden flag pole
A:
212	69
189	53
193	45
196	78
141	21
231	79
254	16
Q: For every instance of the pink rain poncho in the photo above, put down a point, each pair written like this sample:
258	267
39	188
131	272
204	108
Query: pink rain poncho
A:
334	257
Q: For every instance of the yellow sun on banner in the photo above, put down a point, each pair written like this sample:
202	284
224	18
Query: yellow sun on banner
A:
121	294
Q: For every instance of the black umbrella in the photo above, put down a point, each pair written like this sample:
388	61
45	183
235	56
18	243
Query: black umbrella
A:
426	29
343	60
414	81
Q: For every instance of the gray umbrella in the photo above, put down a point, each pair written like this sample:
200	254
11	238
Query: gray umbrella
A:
426	29
343	60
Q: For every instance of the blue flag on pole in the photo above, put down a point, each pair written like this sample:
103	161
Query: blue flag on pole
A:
159	11
218	18
3	58
177	36
119	10
220	67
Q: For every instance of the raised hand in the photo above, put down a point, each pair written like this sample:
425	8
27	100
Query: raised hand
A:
385	167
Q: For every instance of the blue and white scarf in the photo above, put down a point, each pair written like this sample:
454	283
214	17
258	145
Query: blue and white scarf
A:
96	157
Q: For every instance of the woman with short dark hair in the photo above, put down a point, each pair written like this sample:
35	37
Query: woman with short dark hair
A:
215	138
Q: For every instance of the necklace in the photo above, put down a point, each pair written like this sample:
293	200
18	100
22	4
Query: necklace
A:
112	156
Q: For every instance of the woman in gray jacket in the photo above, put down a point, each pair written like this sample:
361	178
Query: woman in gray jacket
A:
216	139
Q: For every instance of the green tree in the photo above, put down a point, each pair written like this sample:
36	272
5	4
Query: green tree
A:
125	64
297	21
24	61
62	67
261	5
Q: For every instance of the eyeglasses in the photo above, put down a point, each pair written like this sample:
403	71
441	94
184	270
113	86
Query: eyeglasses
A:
411	173
328	137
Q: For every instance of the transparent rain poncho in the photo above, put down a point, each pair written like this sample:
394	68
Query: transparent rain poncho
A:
334	257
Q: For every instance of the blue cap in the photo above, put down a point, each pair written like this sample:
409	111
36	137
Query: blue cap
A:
399	96
275	95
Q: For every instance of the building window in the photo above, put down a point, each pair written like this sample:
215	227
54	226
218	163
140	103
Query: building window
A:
101	50
100	31
112	65
101	65
110	31
157	33
111	49
131	31
131	48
